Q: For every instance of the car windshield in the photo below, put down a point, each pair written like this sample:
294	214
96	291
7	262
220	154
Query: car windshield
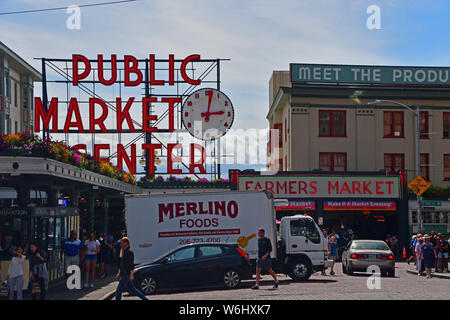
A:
369	245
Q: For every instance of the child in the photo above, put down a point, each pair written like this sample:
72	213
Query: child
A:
334	252
15	274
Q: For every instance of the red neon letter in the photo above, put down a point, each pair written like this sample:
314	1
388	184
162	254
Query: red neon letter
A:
131	69
92	120
125	114
97	148
146	117
152	70
79	147
122	155
171	102
39	113
87	68
199	164
151	147
171	159
73	108
113	70
171	69
184	64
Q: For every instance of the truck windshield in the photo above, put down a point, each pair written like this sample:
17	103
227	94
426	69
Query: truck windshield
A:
305	228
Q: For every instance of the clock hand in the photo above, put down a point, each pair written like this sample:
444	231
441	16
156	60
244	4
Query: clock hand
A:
203	114
206	115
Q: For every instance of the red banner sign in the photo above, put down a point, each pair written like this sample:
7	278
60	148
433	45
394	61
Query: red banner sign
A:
360	205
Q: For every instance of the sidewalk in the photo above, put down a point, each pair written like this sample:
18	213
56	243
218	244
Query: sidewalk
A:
58	291
433	274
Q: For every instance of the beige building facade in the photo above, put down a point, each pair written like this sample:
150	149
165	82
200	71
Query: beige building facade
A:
331	127
17	79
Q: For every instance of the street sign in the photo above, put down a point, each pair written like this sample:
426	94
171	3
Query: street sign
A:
419	185
428	203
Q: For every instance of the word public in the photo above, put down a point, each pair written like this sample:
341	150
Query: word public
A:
133	76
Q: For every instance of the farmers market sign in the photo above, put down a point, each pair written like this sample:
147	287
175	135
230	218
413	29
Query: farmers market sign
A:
332	73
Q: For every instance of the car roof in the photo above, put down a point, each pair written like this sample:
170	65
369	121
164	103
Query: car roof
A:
360	240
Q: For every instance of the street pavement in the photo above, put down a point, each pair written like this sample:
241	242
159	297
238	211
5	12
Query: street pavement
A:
404	286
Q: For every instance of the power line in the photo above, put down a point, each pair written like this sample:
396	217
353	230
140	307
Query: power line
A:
63	8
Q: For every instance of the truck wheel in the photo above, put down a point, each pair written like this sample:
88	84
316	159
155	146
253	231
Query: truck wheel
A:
300	270
147	284
231	279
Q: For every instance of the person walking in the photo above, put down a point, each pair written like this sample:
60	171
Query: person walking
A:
327	242
38	270
333	253
419	255
15	274
92	247
412	250
264	260
126	270
443	253
429	255
70	251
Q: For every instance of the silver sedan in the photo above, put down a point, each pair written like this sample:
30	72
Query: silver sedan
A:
359	255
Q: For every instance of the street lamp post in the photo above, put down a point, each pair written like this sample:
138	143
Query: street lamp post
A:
416	112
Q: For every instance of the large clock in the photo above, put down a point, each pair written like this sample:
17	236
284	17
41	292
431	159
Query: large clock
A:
207	114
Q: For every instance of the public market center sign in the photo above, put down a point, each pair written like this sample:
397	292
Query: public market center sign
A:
332	73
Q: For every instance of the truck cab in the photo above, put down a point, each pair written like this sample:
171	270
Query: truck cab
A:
302	248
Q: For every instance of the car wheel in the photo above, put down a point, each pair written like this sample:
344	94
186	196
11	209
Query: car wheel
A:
300	270
349	271
391	273
344	270
147	284
231	279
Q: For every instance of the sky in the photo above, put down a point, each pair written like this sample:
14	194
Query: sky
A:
258	36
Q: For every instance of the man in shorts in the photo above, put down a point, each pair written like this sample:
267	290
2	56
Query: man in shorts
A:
264	260
70	249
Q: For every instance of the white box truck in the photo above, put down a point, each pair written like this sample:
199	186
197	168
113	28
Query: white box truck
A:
157	224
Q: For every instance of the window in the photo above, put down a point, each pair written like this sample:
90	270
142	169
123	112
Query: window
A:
424	129
285	129
446	124
182	254
332	123
279	126
393	124
394	162
280	164
333	161
425	166
305	228
206	251
446	166
16	128
15	95
25	97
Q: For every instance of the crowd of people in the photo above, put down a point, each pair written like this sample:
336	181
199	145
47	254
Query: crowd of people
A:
93	253
429	251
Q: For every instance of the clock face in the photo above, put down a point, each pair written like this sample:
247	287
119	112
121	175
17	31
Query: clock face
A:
207	114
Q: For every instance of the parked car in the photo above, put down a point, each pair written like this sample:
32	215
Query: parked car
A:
195	265
360	254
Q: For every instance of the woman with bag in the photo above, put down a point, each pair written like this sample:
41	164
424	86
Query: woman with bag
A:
38	271
15	274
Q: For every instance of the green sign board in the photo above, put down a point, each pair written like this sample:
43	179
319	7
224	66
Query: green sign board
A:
332	73
430	203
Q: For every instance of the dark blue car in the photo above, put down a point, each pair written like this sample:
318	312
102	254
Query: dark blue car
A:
195	265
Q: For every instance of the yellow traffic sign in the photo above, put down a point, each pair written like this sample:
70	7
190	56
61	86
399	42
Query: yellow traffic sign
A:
419	185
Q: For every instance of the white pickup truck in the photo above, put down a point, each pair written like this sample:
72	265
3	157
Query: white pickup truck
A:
157	224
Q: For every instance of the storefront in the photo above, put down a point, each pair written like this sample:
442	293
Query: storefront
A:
46	226
370	205
435	216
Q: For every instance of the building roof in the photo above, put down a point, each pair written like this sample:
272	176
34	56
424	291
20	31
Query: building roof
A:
358	91
20	64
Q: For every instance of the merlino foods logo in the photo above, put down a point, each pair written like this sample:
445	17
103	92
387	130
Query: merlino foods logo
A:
197	212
